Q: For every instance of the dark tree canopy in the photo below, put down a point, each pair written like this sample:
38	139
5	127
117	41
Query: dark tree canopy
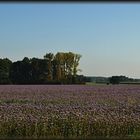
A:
61	68
118	79
5	65
114	80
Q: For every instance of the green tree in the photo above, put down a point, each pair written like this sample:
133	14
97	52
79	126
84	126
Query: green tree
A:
58	62
26	70
5	65
16	72
49	57
75	66
114	80
60	68
35	70
66	66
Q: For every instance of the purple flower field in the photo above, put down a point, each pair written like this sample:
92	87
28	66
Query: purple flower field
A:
45	111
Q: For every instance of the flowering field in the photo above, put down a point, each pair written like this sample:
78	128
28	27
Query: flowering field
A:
69	111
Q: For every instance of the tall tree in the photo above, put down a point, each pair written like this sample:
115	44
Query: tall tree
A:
76	63
49	57
5	65
16	75
26	70
58	61
35	70
59	68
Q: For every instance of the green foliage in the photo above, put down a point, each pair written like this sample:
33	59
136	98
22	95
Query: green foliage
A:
119	79
61	68
5	65
114	80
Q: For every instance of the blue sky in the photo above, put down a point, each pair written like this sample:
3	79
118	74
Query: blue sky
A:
107	35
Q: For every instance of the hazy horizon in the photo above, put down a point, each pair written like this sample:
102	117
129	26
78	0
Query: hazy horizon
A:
105	34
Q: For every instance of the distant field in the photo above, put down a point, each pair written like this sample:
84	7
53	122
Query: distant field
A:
103	83
134	83
94	83
69	111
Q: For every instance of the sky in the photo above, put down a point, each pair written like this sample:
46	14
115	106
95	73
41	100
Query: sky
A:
107	35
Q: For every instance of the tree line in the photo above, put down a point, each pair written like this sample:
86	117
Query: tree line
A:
121	79
60	68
